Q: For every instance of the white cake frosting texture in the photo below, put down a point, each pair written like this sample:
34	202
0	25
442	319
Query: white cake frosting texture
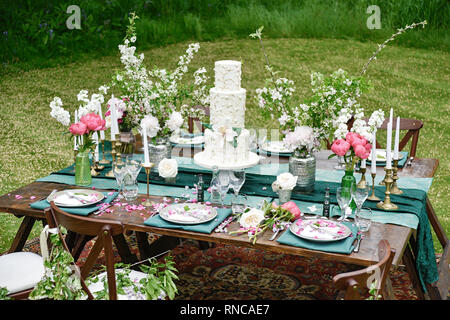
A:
227	98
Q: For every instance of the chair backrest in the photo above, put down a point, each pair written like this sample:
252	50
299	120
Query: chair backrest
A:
194	121
103	229
412	125
353	284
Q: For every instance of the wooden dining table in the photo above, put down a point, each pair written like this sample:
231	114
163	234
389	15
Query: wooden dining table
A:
401	238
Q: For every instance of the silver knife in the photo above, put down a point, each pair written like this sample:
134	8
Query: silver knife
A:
359	237
101	210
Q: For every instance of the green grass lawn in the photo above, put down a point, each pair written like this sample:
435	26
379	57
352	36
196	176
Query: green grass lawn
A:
415	82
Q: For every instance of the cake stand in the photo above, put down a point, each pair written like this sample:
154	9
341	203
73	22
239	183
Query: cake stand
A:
201	159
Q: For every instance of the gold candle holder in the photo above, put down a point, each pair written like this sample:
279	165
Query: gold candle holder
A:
373	197
148	167
394	188
387	204
104	160
362	183
110	174
118	152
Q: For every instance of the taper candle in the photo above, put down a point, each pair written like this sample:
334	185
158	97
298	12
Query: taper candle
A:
389	147
373	163
397	139
100	113
145	143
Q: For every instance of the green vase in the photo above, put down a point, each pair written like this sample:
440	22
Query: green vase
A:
83	169
347	180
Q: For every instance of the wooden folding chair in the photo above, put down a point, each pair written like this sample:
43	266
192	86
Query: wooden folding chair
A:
353	285
104	231
194	121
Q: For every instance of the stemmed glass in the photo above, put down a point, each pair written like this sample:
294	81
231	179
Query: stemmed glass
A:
360	194
119	172
237	179
133	165
363	219
224	185
343	197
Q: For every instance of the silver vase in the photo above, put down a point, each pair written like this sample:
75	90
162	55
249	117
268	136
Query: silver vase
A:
284	196
162	149
304	167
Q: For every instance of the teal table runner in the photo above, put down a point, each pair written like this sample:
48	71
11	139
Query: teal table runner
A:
207	227
83	211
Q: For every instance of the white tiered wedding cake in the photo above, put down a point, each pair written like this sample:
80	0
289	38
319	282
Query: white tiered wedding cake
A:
227	144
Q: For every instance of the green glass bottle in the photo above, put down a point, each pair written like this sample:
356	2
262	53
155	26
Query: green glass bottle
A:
347	180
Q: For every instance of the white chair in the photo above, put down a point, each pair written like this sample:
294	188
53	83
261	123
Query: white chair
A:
20	272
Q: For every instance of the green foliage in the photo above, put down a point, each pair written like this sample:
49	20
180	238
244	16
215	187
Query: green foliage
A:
34	31
4	294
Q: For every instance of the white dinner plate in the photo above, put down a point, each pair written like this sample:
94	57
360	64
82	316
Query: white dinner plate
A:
322	230
275	147
188	140
188	213
76	197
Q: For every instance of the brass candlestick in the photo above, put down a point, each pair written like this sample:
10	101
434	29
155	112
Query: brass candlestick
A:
394	188
148	167
118	152
387	204
110	174
362	183
373	197
104	160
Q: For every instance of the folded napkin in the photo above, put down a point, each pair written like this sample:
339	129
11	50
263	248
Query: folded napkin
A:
207	227
344	246
82	211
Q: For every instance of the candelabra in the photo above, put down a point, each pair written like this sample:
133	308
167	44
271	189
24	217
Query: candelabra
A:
373	197
387	204
362	183
394	188
148	167
104	160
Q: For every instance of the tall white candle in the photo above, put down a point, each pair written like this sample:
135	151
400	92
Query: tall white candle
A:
373	164
397	139
75	139
363	163
102	132
96	153
389	146
145	142
114	124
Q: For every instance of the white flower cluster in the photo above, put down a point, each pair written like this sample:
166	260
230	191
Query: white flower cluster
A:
302	138
58	112
274	101
92	104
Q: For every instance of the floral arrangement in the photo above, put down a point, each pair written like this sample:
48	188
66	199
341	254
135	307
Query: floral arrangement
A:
157	95
89	119
168	168
271	216
353	148
302	140
284	181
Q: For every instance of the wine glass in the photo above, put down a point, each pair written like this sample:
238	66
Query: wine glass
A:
223	185
119	172
237	179
363	219
360	194
133	165
262	137
343	197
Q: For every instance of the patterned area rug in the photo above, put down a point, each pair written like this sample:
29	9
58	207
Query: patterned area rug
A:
227	272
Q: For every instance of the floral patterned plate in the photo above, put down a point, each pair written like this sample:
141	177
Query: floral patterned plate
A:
76	197
323	230
188	213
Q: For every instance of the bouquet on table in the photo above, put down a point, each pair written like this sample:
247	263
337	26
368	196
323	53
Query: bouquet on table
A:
158	96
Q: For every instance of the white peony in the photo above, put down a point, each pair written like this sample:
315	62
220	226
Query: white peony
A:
301	137
168	168
251	218
286	181
175	121
152	125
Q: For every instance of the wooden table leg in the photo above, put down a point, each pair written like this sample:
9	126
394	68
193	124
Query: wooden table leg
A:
161	245
22	234
124	249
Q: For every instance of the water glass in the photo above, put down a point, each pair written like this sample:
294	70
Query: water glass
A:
119	172
363	219
130	187
343	197
237	179
239	203
360	195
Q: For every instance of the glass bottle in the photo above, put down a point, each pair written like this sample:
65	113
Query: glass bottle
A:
214	186
200	189
326	203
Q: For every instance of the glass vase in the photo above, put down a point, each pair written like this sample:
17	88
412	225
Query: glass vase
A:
83	169
162	149
347	180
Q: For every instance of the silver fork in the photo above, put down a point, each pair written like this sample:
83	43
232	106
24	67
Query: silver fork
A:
274	235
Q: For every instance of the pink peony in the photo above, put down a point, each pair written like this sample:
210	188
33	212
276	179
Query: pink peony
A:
93	122
340	147
78	129
292	208
361	151
350	136
368	147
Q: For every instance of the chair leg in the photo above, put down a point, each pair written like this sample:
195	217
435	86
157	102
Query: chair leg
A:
110	272
92	257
